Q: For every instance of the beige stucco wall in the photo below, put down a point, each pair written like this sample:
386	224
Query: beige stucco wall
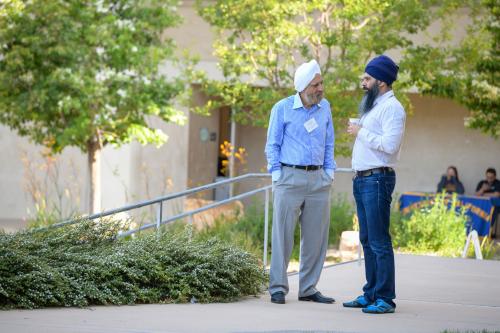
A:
436	138
15	198
129	174
202	155
159	171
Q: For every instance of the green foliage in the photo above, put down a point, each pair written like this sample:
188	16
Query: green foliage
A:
84	264
247	231
341	218
42	216
261	42
81	74
438	228
85	74
468	72
489	248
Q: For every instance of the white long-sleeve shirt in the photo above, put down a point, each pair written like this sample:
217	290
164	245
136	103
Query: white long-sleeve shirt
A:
378	142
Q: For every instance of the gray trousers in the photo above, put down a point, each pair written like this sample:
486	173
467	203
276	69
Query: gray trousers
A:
304	196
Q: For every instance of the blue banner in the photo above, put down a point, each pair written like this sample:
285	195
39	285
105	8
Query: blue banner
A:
479	209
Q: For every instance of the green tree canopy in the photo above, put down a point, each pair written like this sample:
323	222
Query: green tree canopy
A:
468	72
85	73
260	43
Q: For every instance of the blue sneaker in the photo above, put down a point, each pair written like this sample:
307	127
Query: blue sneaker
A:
379	307
359	302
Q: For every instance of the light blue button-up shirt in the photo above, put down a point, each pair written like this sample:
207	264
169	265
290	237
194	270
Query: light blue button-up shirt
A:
289	142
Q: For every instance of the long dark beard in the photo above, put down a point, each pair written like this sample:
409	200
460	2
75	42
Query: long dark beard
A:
368	100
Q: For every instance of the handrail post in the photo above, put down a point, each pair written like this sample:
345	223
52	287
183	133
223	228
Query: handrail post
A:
266	227
231	157
159	216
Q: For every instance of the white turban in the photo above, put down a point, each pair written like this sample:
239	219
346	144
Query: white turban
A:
304	74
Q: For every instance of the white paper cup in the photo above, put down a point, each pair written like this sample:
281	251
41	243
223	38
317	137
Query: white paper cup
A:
354	121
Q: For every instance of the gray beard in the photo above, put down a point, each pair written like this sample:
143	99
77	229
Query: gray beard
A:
368	99
311	99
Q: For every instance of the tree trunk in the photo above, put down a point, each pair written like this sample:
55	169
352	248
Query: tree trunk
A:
94	163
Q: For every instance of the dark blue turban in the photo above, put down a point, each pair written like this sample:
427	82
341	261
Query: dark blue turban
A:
383	69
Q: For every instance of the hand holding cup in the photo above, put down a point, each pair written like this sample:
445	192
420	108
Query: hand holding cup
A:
354	126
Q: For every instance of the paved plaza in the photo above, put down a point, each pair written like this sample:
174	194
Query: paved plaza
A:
433	294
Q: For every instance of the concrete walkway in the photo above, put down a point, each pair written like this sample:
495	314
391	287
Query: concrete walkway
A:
434	294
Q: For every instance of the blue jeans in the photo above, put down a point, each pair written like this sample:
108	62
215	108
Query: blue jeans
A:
373	195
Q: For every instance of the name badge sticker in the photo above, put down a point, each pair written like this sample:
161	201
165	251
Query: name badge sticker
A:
311	125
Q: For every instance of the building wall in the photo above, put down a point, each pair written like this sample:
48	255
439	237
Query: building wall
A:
24	171
160	171
203	147
436	138
129	174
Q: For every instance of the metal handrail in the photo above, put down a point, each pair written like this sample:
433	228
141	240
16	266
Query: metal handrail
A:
198	210
159	220
163	198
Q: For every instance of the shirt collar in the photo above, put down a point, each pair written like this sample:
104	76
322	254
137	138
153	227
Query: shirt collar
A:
384	97
297	102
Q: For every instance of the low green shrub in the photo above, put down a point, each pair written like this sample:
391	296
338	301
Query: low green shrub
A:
341	218
246	231
84	264
438	228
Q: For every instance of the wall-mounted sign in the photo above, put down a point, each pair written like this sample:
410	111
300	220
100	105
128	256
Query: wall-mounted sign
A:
204	134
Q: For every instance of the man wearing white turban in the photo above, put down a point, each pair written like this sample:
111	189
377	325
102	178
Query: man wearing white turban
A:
299	152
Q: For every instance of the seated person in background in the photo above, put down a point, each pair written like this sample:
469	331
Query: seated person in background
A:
490	187
450	182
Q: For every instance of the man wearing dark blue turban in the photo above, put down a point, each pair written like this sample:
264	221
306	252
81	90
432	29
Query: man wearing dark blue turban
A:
379	134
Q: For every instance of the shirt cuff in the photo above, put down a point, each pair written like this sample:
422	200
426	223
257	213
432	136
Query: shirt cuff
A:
275	175
330	173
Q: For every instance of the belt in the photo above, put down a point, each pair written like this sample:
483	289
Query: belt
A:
303	167
369	172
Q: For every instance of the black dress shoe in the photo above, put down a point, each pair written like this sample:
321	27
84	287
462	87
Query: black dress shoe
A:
318	298
278	297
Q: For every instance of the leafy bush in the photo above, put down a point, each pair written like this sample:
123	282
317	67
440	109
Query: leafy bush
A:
84	264
438	228
490	249
341	215
247	231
